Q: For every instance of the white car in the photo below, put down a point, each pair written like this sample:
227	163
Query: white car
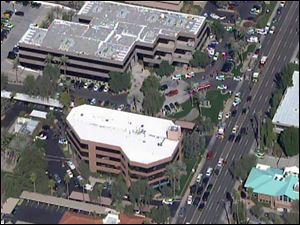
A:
227	115
237	95
209	171
220	77
41	137
236	101
282	3
237	78
189	75
252	39
262	31
86	85
106	89
96	87
214	16
88	187
167	201
234	129
70	174
222	87
93	101
190	200
62	141
199	177
121	107
79	178
271	31
220	116
216	56
176	77
71	165
220	162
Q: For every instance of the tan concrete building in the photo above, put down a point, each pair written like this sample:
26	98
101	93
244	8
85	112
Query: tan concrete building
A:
109	36
116	142
167	5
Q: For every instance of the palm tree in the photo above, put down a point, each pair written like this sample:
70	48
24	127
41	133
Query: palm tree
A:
51	185
33	178
171	173
67	181
181	168
63	61
16	64
49	59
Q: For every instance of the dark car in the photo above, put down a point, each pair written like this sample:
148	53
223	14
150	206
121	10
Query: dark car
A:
196	201
231	137
201	206
193	189
217	172
57	178
209	187
91	86
233	113
205	196
238	138
172	106
167	108
249	98
279	11
227	67
11	55
35	4
229	197
200	190
244	110
205	180
209	155
243	131
177	105
163	87
19	13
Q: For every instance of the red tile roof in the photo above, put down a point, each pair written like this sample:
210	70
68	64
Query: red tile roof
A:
131	219
78	218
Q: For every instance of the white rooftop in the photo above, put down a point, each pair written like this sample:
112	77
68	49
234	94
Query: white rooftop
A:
139	136
287	113
38	114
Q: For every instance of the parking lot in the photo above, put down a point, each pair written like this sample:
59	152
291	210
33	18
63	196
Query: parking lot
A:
21	24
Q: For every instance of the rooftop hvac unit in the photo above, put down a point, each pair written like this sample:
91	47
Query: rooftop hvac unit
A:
162	16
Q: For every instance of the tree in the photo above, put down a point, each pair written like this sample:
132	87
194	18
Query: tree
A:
49	59
166	191
249	192
289	141
218	29
165	69
16	64
79	101
153	99
51	185
84	169
174	171
33	178
257	210
67	181
161	214
244	165
4	81
200	59
30	86
63	61
65	99
192	143
118	189
119	81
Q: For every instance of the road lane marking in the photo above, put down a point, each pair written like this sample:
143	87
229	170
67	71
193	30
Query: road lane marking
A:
260	98
219	189
266	99
284	58
246	141
278	58
226	172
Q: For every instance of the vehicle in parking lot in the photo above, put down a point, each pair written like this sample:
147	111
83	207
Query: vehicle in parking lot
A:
88	187
57	178
177	76
172	106
163	87
93	101
222	87
189	75
177	105
220	162
62	141
220	77
71	165
11	55
216	56
203	86
19	13
172	93
199	177
237	78
106	89
189	199
70	174
167	201
209	171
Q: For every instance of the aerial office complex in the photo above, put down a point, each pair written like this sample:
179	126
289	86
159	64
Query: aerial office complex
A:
109	36
133	145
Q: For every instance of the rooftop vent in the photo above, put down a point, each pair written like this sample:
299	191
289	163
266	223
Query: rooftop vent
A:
106	120
81	114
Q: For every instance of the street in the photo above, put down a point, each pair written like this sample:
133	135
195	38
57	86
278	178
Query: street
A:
279	47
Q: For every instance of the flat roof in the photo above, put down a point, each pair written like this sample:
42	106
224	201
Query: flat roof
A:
38	114
9	205
142	138
113	30
287	113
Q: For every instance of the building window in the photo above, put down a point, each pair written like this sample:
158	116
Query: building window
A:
285	198
280	198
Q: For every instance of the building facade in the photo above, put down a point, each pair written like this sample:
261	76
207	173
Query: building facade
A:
121	143
110	36
166	5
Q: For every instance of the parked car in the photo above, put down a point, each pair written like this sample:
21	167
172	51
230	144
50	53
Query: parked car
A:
199	177
62	141
11	55
220	77
209	155
209	187
193	189
238	138
220	162
177	77
163	87
196	201
71	165
172	93
57	178
167	201
209	171
200	190
121	107
190	200
237	78
19	13
70	174
88	187
189	75
234	129
222	87
205	196
236	102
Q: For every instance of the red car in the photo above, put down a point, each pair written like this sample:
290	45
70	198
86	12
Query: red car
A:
202	87
210	155
172	93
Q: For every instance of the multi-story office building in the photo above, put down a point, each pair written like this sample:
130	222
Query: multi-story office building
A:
133	145
167	5
109	36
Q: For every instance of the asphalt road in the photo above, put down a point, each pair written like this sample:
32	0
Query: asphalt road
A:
279	47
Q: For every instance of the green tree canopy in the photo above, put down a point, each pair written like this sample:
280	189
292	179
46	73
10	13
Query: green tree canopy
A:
165	69
119	81
141	193
218	29
161	214
30	86
193	144
153	99
257	210
243	166
289	141
200	59
65	99
118	189
84	169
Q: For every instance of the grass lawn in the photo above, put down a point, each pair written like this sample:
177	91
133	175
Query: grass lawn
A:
186	106
264	17
237	70
217	104
250	49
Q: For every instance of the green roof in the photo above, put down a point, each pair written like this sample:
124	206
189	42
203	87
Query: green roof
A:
272	182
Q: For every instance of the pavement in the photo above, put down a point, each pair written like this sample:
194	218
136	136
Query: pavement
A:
279	47
31	15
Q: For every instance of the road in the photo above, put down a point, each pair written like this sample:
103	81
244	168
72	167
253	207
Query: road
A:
279	47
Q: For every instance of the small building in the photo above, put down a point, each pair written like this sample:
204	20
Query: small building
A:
277	187
287	114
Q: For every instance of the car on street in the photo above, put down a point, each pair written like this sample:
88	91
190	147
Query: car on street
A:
199	177
209	155
231	137
220	162
238	138
216	56
237	78
71	165
200	190
205	196
209	187
19	13
234	129
205	180
172	93
189	75
236	102
227	115
189	199
244	110
201	206
233	113
249	98
196	201
222	87
167	201
220	77
70	174
209	172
